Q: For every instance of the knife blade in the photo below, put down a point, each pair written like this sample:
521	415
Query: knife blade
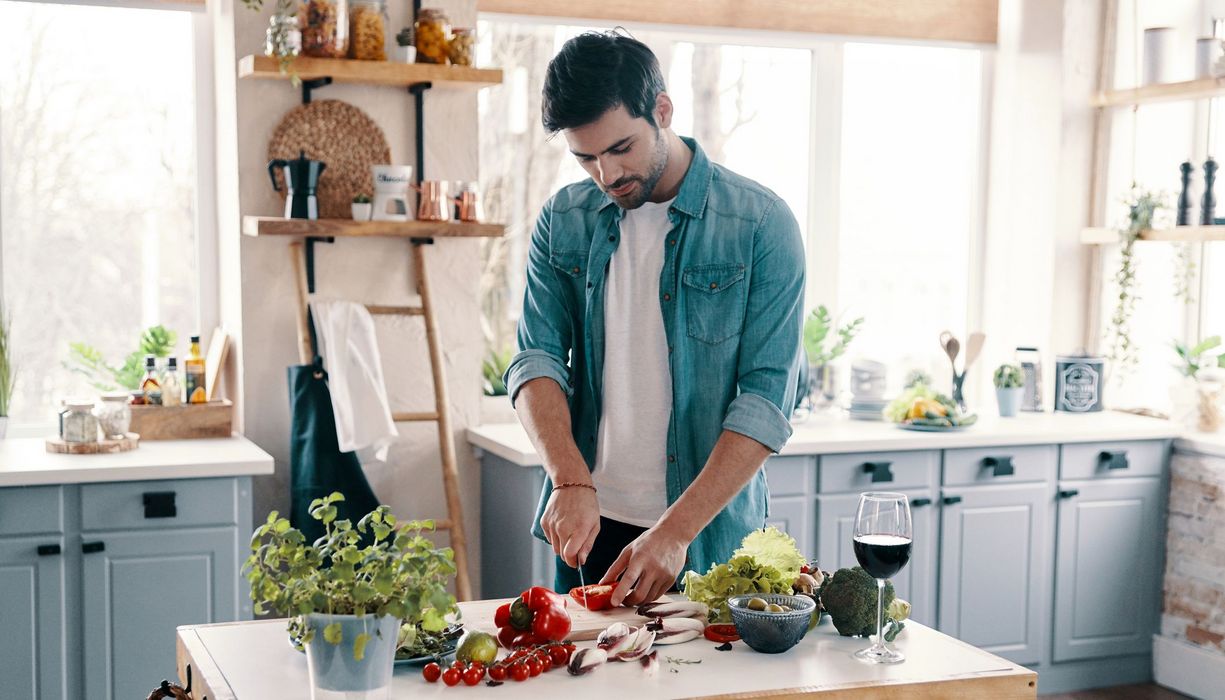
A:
582	583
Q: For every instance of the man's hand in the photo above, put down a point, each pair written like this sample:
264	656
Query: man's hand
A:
648	566
570	522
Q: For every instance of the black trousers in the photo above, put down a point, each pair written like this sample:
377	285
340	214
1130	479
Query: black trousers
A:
612	538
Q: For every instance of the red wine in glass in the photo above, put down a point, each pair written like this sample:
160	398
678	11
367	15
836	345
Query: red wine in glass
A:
882	545
882	556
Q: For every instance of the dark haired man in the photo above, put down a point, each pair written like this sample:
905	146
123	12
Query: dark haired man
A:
660	336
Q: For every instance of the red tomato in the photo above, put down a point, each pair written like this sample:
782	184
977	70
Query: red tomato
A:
533	667
458	665
451	676
721	633
497	672
594	597
558	655
473	676
431	672
519	672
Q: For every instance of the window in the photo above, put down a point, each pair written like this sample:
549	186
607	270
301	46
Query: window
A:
100	197
886	187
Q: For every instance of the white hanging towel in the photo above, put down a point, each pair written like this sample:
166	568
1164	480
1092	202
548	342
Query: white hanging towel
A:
347	342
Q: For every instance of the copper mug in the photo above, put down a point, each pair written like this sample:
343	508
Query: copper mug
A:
434	204
468	206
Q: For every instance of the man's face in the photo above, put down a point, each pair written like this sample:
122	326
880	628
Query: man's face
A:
625	155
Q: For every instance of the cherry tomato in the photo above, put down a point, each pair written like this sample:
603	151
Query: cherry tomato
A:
519	672
497	672
473	676
431	672
721	633
546	665
557	655
458	665
533	667
451	677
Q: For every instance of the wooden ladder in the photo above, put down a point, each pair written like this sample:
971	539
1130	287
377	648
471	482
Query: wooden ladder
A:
454	522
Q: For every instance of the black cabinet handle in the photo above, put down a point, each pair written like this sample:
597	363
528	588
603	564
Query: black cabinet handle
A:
1068	493
950	500
46	550
91	547
880	471
160	504
916	503
1001	465
1114	460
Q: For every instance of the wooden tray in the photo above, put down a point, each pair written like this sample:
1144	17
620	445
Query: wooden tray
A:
128	442
187	421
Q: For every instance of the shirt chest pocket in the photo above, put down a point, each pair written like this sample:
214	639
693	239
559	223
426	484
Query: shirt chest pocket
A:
715	297
570	264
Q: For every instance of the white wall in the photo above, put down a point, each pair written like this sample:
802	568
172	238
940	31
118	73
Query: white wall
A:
258	297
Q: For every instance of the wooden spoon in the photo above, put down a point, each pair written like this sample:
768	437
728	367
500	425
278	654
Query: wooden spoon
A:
974	345
952	347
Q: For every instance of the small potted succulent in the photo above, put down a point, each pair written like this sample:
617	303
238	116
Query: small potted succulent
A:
348	592
362	208
1009	386
406	47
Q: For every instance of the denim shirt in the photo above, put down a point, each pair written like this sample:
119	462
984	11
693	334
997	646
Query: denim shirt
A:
731	294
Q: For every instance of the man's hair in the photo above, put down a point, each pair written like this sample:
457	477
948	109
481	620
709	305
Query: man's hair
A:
595	72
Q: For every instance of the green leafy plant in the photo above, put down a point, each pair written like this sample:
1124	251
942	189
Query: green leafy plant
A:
8	373
1009	377
361	198
916	377
399	573
283	48
1194	358
88	361
817	328
493	367
1142	205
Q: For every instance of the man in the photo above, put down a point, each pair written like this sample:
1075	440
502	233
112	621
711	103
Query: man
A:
660	336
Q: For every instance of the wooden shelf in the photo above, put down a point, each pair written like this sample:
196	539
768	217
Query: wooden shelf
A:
1163	92
342	70
277	226
1186	234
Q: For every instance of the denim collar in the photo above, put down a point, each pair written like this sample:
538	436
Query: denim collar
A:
691	199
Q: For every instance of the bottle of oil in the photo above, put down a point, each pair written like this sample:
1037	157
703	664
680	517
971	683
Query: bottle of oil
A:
150	386
171	389
193	370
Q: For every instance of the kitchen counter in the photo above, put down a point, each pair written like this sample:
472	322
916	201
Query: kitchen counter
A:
1212	444
248	660
838	435
26	462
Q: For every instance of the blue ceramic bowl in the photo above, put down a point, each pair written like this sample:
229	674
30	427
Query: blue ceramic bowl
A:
767	632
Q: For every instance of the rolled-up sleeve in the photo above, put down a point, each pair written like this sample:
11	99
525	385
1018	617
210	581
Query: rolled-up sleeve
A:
769	363
545	328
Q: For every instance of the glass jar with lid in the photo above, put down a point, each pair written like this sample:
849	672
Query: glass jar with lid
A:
282	40
368	30
324	25
114	415
77	421
461	46
433	33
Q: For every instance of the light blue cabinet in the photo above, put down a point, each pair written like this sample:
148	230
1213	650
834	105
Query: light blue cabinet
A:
32	663
793	515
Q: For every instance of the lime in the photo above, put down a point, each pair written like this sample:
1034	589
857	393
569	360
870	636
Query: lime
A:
477	646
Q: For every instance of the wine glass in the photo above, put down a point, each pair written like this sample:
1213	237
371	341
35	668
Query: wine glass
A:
882	546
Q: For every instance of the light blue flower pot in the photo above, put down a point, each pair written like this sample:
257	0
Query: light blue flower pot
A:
335	673
1010	400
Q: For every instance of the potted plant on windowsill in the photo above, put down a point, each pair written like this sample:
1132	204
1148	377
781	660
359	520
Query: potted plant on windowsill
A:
822	390
348	591
361	208
8	374
1199	395
1009	386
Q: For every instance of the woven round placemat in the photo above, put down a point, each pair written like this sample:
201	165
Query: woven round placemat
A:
342	136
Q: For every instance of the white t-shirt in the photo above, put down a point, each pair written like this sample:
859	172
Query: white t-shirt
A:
631	451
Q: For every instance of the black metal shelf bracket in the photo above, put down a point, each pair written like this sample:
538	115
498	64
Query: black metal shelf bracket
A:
313	84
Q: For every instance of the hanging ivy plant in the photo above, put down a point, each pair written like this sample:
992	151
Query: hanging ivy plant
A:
1184	273
1141	207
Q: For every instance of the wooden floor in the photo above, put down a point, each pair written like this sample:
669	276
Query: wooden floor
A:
1147	691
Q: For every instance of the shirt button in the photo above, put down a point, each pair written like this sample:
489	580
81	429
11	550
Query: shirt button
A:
667	297
612	239
713	285
671	458
669	348
589	285
672	242
576	271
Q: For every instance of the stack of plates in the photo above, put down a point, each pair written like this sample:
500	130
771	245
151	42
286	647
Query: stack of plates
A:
863	408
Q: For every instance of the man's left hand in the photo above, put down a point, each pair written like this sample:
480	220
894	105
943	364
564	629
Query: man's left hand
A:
647	567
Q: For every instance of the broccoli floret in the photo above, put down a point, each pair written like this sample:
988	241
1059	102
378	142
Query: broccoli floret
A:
850	599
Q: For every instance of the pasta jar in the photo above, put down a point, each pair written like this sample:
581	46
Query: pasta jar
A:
432	30
461	46
77	422
114	415
367	30
324	25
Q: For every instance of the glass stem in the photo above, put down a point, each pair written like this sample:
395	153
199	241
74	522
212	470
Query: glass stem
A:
880	611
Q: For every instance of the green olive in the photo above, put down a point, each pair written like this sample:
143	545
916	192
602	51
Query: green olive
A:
774	607
756	604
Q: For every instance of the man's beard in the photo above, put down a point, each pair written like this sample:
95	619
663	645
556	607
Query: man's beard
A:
646	185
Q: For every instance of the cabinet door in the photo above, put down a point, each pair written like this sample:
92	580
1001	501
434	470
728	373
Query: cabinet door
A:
791	514
992	560
32	608
915	583
1107	575
138	588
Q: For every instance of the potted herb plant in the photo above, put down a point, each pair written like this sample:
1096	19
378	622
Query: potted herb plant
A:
1199	395
1009	386
348	591
8	374
362	208
406	47
821	387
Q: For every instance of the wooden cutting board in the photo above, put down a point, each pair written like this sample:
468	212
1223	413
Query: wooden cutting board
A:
585	625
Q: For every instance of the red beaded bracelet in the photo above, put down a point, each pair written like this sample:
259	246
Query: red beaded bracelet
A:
569	484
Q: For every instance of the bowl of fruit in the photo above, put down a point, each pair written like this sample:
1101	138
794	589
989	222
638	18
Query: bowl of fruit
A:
922	408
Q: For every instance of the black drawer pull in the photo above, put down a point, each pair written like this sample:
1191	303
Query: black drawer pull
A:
880	471
1114	460
1068	493
46	550
918	502
160	504
950	500
1001	465
91	547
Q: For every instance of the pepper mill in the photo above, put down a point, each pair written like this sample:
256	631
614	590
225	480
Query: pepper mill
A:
1207	210
1184	197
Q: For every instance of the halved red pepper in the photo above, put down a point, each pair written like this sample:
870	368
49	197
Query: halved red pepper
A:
535	617
593	597
721	633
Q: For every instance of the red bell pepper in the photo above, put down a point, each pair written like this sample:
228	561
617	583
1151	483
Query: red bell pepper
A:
535	617
593	597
